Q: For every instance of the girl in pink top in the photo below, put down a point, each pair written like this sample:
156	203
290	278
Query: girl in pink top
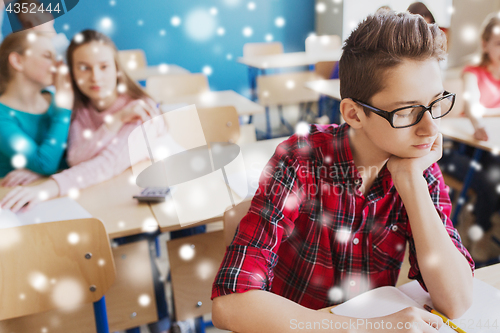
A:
482	82
108	107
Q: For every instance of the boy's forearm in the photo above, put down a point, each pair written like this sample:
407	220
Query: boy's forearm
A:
445	270
262	311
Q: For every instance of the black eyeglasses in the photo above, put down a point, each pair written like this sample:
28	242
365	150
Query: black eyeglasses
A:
411	115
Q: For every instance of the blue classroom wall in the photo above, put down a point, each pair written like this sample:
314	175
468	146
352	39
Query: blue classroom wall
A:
195	42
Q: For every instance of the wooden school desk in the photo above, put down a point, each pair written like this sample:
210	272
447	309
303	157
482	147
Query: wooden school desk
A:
258	64
112	203
255	156
461	130
293	59
141	74
243	105
330	88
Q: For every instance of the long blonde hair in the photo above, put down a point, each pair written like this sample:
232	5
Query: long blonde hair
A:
15	42
489	24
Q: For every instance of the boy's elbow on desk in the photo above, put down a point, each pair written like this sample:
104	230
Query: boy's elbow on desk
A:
220	312
457	305
459	308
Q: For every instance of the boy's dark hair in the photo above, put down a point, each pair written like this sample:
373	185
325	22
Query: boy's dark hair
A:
381	42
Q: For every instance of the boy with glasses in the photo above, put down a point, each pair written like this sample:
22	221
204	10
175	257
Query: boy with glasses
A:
336	206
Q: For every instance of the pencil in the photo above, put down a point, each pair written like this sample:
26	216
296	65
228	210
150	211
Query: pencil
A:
445	319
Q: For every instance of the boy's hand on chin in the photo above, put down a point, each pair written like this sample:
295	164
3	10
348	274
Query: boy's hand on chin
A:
416	166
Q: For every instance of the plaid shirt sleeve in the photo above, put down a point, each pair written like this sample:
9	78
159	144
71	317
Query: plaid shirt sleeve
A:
439	195
250	259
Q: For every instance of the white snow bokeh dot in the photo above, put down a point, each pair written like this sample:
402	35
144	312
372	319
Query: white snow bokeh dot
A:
200	25
247	31
279	22
175	21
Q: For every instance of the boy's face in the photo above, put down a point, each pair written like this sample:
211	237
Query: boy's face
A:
410	83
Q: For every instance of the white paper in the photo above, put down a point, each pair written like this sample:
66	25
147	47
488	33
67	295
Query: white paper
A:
387	300
485	306
59	209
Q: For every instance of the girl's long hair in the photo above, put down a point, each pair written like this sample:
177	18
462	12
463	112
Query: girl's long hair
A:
488	29
133	90
15	42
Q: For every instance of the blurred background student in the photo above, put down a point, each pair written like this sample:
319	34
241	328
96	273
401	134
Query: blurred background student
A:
482	88
421	9
34	122
108	106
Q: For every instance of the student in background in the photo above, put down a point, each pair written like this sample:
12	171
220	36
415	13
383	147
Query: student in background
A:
108	106
482	81
420	9
336	206
33	122
482	88
42	21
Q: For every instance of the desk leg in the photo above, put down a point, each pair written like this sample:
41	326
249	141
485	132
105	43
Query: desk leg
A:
157	246
133	330
467	181
252	77
268	123
284	121
101	317
199	325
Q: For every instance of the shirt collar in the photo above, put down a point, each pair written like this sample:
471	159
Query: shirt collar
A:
346	171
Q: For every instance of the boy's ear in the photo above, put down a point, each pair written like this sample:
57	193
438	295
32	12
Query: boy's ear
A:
351	112
15	61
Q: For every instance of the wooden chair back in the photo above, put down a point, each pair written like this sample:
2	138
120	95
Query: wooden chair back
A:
286	88
162	87
132	59
194	262
134	281
324	69
54	265
220	124
319	44
262	49
232	218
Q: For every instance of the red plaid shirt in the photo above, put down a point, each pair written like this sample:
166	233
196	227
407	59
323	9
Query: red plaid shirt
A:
311	236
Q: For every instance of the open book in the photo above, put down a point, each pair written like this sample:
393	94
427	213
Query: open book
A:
482	317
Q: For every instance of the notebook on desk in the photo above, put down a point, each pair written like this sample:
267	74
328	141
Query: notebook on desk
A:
482	317
59	209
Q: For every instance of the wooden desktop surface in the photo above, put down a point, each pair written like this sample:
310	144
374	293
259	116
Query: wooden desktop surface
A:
461	130
243	105
255	156
112	202
291	59
330	88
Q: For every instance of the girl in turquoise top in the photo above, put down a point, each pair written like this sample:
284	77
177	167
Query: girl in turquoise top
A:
34	122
